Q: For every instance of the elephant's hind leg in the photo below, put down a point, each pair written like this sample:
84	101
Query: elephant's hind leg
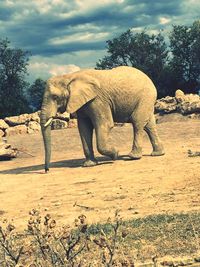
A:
138	132
150	128
85	127
139	119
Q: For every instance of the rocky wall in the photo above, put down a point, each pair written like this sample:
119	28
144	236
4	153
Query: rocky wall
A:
30	123
180	103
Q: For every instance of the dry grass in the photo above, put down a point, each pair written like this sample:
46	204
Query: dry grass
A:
116	243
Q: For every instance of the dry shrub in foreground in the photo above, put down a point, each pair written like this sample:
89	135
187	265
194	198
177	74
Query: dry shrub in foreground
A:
115	243
45	244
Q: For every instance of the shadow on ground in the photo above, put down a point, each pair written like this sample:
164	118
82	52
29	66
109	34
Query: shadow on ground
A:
74	163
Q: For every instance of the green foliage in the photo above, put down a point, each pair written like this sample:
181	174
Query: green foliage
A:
35	94
185	62
170	67
13	64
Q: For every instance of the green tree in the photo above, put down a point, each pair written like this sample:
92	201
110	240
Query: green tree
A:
35	94
185	61
13	64
146	52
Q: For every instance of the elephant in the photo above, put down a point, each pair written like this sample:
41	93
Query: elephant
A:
99	98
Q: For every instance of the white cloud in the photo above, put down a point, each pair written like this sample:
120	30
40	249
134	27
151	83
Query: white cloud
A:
164	20
59	70
128	9
87	36
88	4
45	67
38	65
45	70
9	3
137	29
81	7
44	6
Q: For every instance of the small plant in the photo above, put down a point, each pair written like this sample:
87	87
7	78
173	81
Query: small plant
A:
107	243
57	246
11	247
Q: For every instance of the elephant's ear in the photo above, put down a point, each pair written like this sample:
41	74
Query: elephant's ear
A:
81	92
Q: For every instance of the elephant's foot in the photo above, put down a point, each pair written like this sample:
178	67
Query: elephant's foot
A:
109	152
114	156
135	154
158	151
90	163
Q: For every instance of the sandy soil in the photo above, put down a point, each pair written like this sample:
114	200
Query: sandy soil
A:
152	185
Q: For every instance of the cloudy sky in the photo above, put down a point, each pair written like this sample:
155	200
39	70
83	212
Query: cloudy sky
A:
65	35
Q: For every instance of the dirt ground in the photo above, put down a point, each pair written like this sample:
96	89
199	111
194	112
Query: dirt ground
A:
152	185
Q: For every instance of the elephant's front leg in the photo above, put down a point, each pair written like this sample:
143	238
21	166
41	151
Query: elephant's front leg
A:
85	127
103	147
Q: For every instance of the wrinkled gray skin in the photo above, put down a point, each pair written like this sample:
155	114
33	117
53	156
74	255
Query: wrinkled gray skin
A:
100	98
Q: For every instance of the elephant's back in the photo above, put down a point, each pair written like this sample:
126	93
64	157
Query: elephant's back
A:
132	77
126	87
123	81
125	77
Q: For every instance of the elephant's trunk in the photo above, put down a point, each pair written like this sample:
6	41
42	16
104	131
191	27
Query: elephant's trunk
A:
46	133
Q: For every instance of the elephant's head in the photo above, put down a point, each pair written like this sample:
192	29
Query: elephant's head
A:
64	93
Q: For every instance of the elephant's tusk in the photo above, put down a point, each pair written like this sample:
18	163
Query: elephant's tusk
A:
48	122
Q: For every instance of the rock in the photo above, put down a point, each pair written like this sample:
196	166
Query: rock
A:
193	153
166	105
7	152
3	125
63	116
58	124
181	103
189	107
33	126
191	98
179	95
72	123
1	133
188	104
17	120
19	129
35	116
23	119
168	100
194	116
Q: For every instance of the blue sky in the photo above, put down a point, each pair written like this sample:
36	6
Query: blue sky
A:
65	35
